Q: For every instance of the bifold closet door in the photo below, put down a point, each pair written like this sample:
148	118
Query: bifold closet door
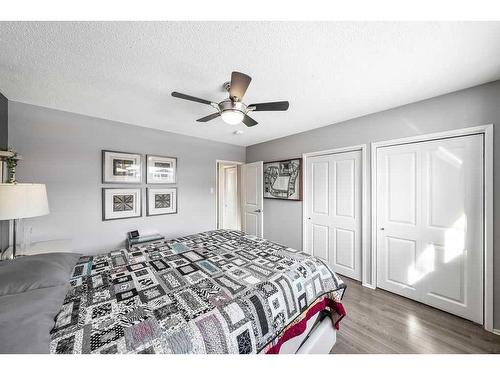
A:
430	223
333	222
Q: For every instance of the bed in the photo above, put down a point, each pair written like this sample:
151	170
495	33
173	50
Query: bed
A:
220	291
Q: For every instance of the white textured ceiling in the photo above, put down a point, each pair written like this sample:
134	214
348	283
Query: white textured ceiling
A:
329	71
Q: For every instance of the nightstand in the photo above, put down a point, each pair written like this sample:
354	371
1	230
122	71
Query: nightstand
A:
53	246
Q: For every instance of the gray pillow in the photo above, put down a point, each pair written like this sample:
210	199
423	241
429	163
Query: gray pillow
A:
36	271
27	318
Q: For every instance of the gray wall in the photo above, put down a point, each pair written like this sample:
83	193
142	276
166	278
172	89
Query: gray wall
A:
63	150
4	143
471	107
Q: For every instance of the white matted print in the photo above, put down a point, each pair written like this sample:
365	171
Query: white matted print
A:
161	201
121	167
120	203
161	170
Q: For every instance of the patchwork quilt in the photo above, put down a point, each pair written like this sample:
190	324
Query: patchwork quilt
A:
214	292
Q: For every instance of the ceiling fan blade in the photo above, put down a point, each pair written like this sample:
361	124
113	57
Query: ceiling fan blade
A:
176	94
239	85
248	121
209	117
272	106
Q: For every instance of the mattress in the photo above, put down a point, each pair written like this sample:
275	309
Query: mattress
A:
220	291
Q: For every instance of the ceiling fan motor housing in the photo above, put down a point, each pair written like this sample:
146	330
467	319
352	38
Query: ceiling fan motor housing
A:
229	105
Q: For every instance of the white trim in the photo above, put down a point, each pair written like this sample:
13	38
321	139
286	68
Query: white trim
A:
364	190
339	150
365	250
432	136
488	227
373	202
487	130
230	162
496	331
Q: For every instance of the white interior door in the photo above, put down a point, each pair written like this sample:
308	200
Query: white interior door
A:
333	222
252	198
430	223
230	198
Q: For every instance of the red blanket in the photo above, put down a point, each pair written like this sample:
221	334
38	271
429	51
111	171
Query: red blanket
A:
337	313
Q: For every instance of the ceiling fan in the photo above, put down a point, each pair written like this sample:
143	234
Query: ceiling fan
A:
233	110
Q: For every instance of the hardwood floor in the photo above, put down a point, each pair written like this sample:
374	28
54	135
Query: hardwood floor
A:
382	322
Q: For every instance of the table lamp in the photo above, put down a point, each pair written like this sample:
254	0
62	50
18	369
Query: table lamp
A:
19	201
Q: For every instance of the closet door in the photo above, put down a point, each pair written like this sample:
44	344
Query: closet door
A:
430	223
399	198
333	226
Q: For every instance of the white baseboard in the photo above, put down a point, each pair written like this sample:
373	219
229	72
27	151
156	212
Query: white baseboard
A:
496	331
369	286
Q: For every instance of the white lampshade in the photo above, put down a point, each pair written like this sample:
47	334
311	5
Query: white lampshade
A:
19	201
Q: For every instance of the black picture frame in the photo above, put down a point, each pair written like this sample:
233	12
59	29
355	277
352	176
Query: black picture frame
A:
299	179
103	198
166	213
103	167
148	181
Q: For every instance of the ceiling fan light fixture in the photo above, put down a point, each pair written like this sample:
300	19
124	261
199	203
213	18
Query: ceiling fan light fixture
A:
232	116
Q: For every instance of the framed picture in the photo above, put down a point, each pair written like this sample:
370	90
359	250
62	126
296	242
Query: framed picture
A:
161	170
161	201
121	167
121	203
283	179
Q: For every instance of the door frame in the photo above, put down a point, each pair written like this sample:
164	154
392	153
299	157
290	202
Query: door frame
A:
487	131
217	162
364	206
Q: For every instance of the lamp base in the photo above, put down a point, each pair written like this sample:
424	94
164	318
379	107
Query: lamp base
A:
14	238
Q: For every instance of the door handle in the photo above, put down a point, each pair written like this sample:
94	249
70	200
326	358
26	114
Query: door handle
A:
382	228
258	210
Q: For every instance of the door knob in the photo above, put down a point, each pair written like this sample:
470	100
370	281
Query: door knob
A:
258	210
382	228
